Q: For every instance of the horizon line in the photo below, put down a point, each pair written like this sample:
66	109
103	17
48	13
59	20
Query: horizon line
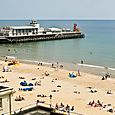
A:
61	19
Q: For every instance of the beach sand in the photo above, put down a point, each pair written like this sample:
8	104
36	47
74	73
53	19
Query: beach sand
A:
65	94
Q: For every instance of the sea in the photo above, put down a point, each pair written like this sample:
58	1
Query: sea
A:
96	50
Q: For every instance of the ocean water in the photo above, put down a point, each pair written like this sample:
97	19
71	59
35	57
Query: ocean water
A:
97	48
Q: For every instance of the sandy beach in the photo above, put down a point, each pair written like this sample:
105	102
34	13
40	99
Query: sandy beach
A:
72	91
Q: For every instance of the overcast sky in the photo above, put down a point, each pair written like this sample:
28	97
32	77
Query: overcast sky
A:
57	9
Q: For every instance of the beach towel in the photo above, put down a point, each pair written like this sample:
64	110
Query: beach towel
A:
71	75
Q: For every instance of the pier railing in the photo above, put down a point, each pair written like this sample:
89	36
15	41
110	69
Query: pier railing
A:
18	39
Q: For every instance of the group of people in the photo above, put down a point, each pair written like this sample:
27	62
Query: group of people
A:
1	76
41	95
106	76
40	63
53	66
95	104
4	81
21	77
64	108
107	107
19	98
38	101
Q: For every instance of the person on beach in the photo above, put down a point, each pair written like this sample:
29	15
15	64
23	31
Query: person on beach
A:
62	105
109	92
106	76
82	62
52	65
38	64
37	102
56	106
68	109
93	103
72	109
61	66
46	73
78	73
99	103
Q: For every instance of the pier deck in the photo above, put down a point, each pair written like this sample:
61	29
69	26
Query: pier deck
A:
34	38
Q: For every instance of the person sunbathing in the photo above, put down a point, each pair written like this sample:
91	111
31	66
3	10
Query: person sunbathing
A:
43	95
93	91
77	92
38	101
109	92
46	73
19	98
54	90
38	83
2	77
21	78
33	78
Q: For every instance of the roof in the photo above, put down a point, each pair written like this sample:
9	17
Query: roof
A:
5	90
23	27
26	27
3	87
55	29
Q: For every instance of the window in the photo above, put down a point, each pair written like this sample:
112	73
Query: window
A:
29	30
0	102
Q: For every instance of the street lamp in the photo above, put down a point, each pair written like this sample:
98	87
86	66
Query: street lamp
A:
50	100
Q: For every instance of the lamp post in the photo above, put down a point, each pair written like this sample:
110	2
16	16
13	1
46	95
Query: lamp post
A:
50	100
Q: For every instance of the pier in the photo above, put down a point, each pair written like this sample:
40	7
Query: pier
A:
33	32
21	39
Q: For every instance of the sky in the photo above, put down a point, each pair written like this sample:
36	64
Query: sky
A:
57	9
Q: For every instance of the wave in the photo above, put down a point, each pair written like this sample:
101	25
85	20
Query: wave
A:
79	65
93	69
95	66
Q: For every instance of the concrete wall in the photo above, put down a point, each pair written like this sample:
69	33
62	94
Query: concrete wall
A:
5	104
